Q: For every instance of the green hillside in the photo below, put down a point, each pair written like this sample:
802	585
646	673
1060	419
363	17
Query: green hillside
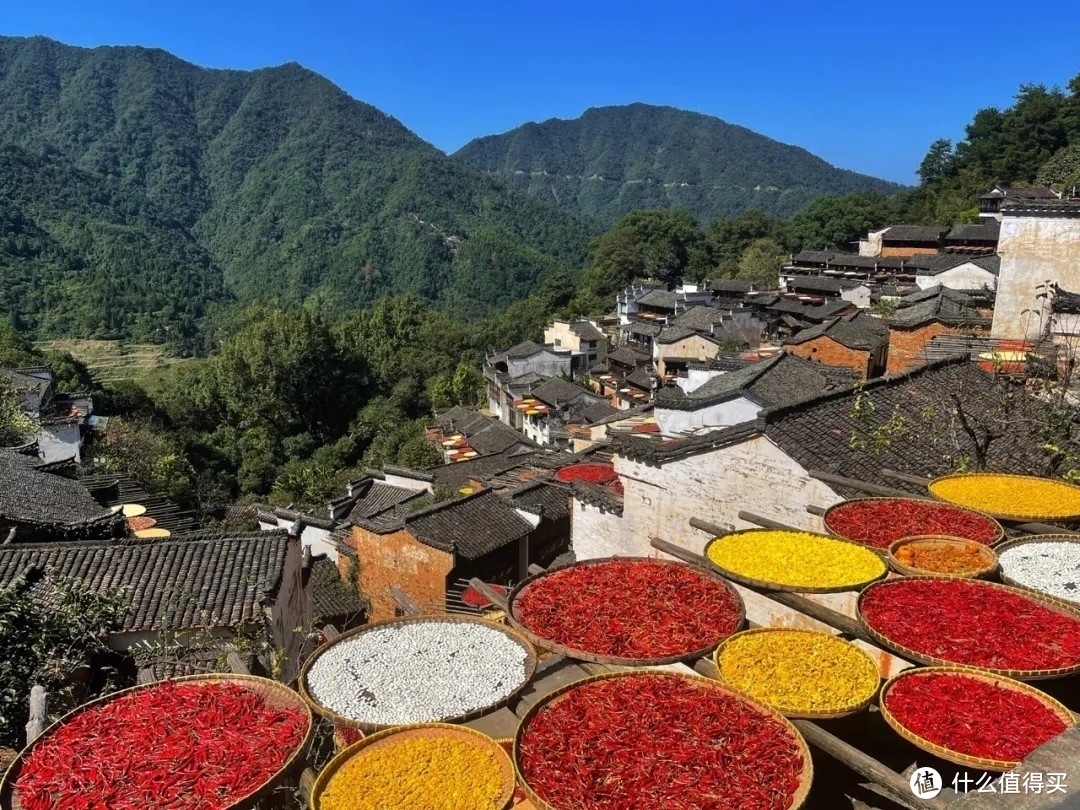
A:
270	184
613	160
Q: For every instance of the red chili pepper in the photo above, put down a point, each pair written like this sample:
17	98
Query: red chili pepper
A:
971	716
973	623
589	473
191	746
629	609
880	522
644	742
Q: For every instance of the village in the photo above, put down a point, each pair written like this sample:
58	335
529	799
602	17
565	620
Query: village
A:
685	413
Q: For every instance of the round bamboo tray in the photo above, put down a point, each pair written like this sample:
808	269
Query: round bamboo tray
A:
1007	515
585	655
836	507
948	754
989	558
853	708
419	730
779	586
1019	674
133	509
805	778
1032	540
531	661
273	694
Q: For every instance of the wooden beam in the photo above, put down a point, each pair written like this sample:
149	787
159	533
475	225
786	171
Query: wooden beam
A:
404	602
715	529
535	569
852	483
813	509
330	632
489	593
765	522
236	664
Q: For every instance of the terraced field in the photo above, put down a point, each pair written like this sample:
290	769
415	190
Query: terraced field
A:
113	361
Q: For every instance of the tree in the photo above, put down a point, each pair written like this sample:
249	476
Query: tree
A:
762	262
1062	171
44	643
837	222
937	163
16	428
643	244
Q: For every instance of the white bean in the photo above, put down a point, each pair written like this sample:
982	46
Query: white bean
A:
1051	567
417	672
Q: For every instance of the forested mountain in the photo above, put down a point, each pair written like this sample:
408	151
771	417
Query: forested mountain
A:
272	184
613	160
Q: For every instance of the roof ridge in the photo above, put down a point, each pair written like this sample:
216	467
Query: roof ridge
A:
444	504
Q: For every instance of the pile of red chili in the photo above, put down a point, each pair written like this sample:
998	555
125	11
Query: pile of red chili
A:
971	622
174	745
642	742
589	473
629	608
880	522
473	598
971	716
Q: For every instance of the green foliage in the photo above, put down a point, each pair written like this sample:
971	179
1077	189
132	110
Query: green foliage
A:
613	160
835	223
762	261
46	644
16	428
138	192
1062	171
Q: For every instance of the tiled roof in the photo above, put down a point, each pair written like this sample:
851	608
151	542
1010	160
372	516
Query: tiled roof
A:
822	284
643	328
460	473
586	331
554	391
651	451
628	356
1065	302
471	526
986	231
33	389
44	501
377	497
661	299
722	362
629	413
857	331
732	285
308	519
771	382
1036	207
642	378
597	411
526	348
116	488
604	498
932	264
331	596
497	438
854	261
180	583
673	334
462	420
914	233
812	256
700	318
405	472
813	312
948	306
1034	193
542	498
818	433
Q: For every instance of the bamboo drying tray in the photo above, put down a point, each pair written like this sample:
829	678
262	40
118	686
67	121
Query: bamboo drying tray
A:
1019	674
838	506
1007	515
584	655
778	586
853	708
419	730
273	694
805	778
947	754
531	661
990	559
1034	539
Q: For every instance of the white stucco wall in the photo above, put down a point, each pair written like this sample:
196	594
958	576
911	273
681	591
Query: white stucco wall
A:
755	476
732	412
547	363
318	540
697	377
1033	250
59	442
965	276
859	296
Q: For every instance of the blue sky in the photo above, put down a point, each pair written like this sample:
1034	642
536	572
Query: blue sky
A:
867	86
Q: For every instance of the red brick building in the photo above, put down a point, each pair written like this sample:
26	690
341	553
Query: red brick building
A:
423	552
924	316
859	342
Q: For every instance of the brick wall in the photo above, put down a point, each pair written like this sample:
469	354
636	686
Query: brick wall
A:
828	351
907	346
398	560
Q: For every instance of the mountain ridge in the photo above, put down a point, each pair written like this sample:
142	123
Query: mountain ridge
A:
679	158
